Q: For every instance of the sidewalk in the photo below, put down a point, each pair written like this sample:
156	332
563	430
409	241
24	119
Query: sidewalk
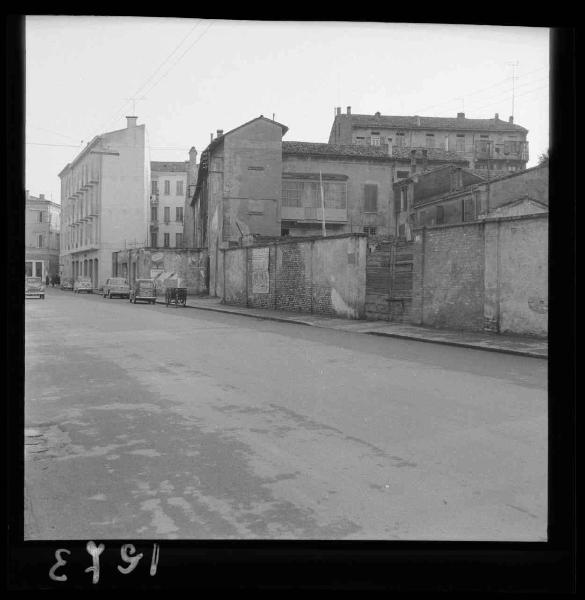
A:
522	346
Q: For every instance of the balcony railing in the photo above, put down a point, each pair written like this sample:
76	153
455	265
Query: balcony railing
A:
310	214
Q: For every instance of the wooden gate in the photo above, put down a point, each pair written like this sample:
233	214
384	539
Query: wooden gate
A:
389	270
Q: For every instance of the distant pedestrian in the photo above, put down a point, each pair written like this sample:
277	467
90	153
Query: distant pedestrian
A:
52	281
47	281
57	280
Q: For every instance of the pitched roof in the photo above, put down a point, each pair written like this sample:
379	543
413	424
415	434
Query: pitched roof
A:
416	122
371	152
174	167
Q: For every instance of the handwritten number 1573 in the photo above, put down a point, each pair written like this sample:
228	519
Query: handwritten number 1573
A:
128	553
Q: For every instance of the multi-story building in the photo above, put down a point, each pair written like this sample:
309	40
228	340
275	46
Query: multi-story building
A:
167	203
251	185
487	144
42	230
105	202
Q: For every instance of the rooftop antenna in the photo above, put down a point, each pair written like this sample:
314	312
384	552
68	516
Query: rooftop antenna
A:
513	64
134	100
273	115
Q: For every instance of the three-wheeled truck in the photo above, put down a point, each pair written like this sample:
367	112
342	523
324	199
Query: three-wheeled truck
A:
175	293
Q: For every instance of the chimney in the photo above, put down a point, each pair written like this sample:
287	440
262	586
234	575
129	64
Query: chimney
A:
41	196
211	134
338	110
131	122
378	114
349	110
192	156
497	117
511	119
461	115
219	132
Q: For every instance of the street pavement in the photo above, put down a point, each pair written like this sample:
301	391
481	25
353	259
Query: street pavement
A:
158	422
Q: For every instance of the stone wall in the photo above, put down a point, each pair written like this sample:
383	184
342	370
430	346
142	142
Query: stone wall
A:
489	275
318	275
190	265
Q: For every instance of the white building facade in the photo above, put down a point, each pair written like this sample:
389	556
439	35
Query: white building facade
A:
168	190
105	202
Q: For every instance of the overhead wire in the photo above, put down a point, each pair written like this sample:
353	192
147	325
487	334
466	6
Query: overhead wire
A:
115	114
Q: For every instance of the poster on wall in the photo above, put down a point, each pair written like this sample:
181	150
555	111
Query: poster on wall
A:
260	279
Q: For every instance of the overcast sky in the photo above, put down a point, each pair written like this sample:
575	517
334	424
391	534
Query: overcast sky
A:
191	77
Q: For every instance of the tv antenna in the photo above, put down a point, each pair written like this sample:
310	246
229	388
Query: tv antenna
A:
134	100
513	64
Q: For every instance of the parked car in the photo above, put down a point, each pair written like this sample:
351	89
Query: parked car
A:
67	283
143	290
34	288
116	286
83	284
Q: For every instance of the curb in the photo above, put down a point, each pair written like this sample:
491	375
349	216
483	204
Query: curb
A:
525	353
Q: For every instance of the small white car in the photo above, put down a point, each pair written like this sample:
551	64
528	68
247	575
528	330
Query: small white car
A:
34	288
82	284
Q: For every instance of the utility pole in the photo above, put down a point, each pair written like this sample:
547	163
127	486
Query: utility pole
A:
323	230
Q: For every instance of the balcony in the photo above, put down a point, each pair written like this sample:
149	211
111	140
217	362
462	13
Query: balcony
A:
309	214
154	200
512	150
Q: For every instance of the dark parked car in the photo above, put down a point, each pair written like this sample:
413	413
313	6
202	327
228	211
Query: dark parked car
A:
143	290
83	284
116	286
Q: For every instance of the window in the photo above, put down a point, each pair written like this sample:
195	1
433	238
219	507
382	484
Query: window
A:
370	230
167	240
167	214
430	140
468	212
179	214
154	240
440	216
460	143
226	229
167	187
292	193
178	240
371	197
360	140
154	213
308	194
154	186
404	198
284	232
402	174
40	216
180	190
375	138
400	138
39	241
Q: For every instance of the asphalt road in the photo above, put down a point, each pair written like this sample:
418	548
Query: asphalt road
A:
152	422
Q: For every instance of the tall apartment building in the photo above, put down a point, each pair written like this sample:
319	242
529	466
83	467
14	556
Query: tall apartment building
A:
168	189
105	202
42	231
487	144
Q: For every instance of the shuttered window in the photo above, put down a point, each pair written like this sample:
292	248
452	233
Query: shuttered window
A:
370	197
